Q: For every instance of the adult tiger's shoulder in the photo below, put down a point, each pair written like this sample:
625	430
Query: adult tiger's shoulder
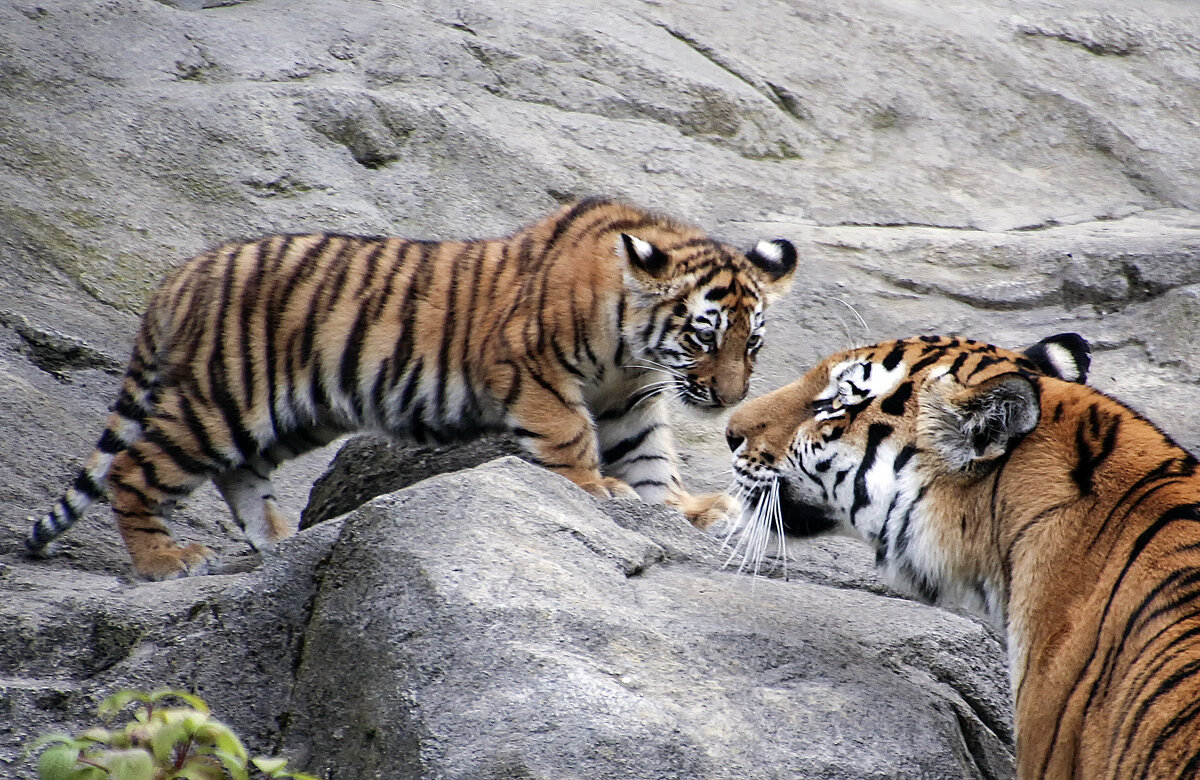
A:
569	333
983	478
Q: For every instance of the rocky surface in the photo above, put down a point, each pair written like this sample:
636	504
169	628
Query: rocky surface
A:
1002	169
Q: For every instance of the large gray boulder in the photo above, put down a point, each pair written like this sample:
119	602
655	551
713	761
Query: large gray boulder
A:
499	623
512	629
1002	169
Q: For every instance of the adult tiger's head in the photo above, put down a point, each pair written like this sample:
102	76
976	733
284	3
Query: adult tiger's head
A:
889	442
698	308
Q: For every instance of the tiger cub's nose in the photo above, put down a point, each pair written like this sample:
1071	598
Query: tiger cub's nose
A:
733	439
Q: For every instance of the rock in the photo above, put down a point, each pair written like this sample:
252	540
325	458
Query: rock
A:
1001	170
513	626
369	466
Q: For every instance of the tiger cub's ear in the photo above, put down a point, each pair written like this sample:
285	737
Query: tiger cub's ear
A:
777	258
643	256
1066	356
971	426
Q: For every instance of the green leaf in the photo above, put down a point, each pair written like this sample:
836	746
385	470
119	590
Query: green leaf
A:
273	766
194	721
117	702
104	736
234	765
46	739
223	739
130	765
58	763
269	765
195	702
164	738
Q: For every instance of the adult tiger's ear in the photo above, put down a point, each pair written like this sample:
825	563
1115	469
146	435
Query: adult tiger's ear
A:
1065	356
642	256
973	426
776	258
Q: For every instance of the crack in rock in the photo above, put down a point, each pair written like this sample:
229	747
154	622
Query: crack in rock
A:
57	353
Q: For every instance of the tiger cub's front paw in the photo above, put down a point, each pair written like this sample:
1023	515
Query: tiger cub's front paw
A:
705	512
610	487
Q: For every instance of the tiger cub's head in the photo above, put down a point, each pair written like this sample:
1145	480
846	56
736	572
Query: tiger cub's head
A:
698	310
872	438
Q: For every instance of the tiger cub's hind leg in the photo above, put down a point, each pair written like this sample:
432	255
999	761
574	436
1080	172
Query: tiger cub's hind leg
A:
144	484
251	498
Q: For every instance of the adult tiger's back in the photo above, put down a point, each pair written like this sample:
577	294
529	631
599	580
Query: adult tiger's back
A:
984	480
255	352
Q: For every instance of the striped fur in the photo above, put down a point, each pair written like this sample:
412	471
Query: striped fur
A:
984	480
569	333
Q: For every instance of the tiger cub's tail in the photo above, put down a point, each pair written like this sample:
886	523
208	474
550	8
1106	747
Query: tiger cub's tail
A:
125	425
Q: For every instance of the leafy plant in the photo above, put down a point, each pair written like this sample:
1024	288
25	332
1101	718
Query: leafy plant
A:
159	743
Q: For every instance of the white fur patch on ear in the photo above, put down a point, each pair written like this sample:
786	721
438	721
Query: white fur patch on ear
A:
1065	360
643	249
769	250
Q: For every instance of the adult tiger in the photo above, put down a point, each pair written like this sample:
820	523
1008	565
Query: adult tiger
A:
566	333
983	479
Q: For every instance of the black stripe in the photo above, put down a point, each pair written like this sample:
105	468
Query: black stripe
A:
414	289
545	383
892	359
248	305
562	358
515	388
583	434
906	523
129	409
272	315
86	485
218	375
903	457
449	325
958	363
875	436
984	362
350	368
1163	471
894	403
881	539
109	444
1087	462
410	386
149	471
622	448
196	427
642	458
928	360
576	212
177	454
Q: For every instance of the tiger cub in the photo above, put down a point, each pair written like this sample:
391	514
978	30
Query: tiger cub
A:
983	479
568	333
